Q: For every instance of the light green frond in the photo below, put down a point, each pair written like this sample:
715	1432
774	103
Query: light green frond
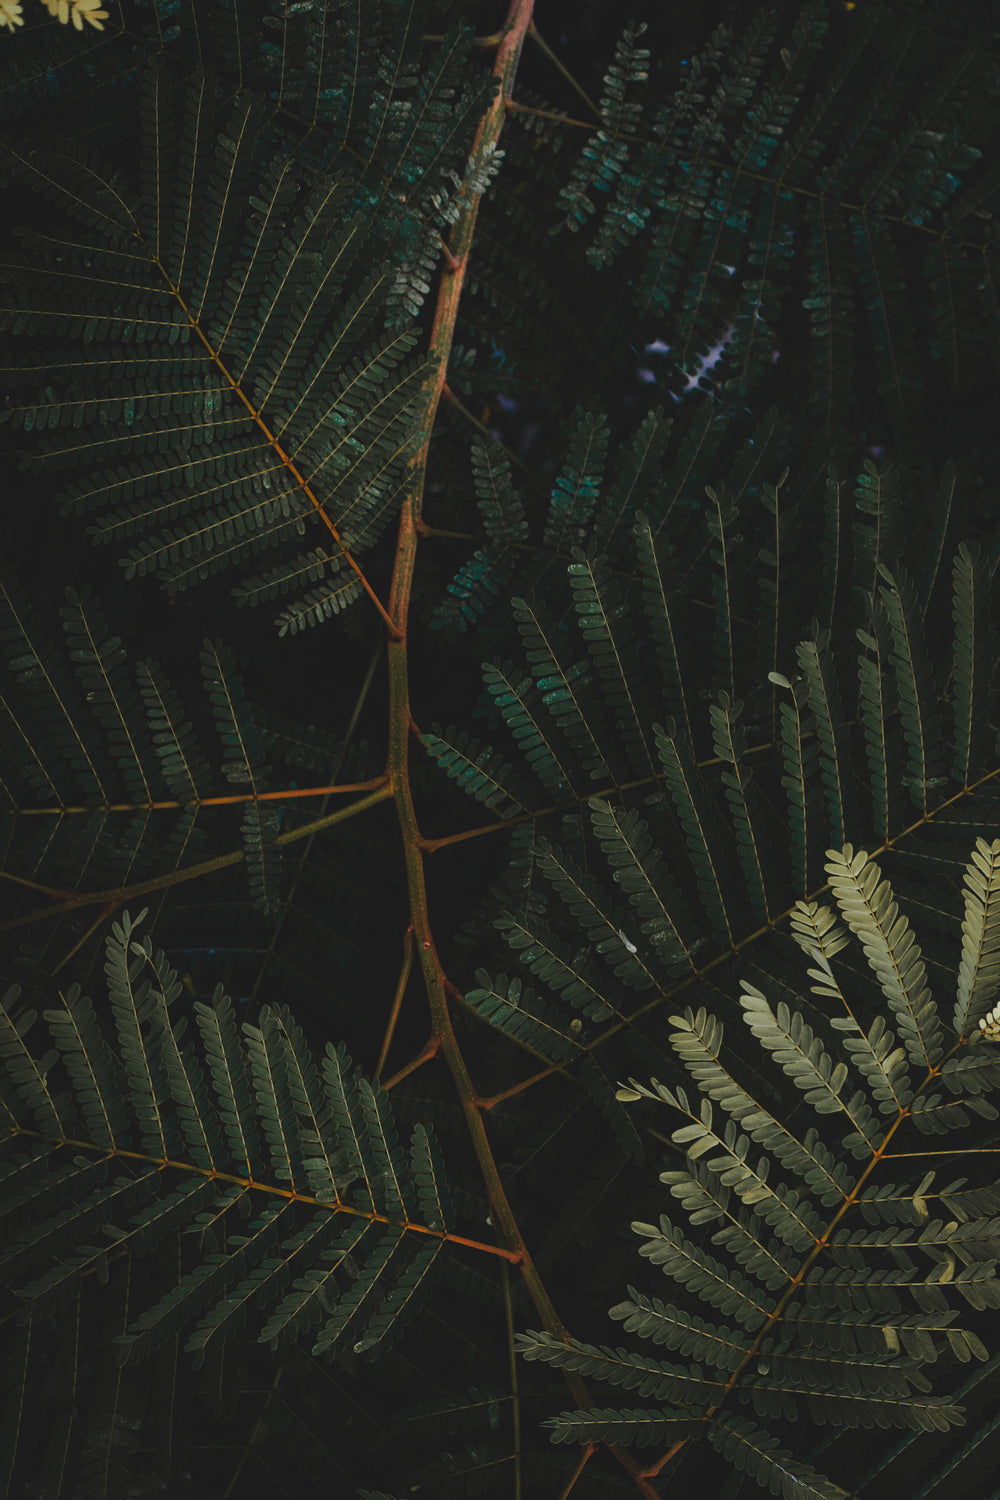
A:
814	926
697	1040
797	1049
979	969
716	1284
705	1193
630	1425
633	1372
882	1063
682	1331
972	1071
867	905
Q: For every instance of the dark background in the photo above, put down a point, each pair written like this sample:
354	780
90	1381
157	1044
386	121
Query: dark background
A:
356	954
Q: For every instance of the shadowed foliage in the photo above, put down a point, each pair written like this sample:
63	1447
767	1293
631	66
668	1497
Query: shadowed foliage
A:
498	751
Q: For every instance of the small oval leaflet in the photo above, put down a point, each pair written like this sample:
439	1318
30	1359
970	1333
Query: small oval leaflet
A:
989	1025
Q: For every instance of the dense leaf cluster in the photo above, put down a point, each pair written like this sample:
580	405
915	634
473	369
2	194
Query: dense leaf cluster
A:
597	826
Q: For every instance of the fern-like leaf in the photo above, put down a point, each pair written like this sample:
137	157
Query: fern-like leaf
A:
973	655
516	1009
600	616
91	1066
979	970
869	910
27	1076
744	804
482	773
564	689
644	877
701	827
800	753
227	1067
522	708
605	155
917	693
746	1448
824	700
650	1377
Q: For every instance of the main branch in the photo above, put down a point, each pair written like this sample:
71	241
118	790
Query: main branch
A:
446	311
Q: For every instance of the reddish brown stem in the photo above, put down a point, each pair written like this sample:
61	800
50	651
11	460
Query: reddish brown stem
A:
430	1049
400	718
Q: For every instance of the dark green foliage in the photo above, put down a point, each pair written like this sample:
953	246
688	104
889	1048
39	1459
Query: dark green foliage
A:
691	503
268	1096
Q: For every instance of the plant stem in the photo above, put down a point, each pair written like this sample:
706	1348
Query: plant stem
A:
449	293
